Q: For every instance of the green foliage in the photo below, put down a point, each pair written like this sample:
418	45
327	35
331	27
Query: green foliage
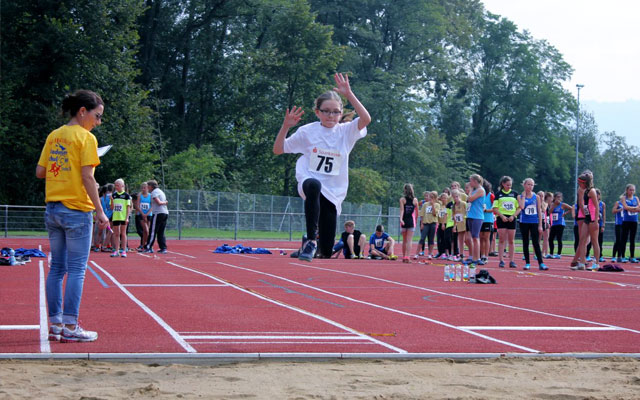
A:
194	168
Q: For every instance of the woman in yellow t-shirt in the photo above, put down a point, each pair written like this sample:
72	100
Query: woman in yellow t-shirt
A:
67	162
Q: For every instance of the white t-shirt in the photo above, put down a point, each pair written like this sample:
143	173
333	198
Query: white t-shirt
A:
156	208
325	157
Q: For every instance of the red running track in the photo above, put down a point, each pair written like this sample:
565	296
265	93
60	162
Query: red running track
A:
192	301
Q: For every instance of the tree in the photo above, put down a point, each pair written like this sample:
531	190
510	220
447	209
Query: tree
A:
58	47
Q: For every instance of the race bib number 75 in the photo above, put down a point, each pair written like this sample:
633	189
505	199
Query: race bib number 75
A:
325	161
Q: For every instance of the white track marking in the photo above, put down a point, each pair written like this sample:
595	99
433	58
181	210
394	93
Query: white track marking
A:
299	310
271	337
467	298
542	328
152	314
45	347
393	310
180	254
171	285
581	278
19	327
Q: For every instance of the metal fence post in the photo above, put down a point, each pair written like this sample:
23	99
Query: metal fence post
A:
290	227
6	221
179	225
218	213
235	226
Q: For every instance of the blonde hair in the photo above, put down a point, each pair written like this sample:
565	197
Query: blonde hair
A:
350	223
527	180
477	178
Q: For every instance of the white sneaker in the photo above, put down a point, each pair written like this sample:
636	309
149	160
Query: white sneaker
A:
55	332
77	335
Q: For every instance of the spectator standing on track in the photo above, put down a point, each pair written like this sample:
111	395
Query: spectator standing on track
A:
631	207
531	220
587	222
428	222
67	162
381	245
444	215
459	212
159	219
506	208
558	211
99	233
143	217
408	211
546	198
322	171
601	222
486	232
121	206
107	244
475	215
618	212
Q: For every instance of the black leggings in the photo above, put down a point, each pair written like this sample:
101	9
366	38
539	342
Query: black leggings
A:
629	229
576	237
555	233
525	230
618	242
321	215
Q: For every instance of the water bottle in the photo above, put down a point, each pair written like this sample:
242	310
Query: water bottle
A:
472	274
458	273
465	273
12	257
446	273
452	273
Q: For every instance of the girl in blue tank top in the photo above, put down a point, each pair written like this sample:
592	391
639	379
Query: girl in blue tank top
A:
530	222
629	222
617	212
559	209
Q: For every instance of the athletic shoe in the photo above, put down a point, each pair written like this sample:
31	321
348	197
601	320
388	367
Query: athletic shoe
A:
361	256
456	258
309	251
429	257
601	259
162	251
501	265
482	262
614	259
578	267
527	267
114	254
593	267
548	256
140	249
123	254
421	253
149	251
450	258
393	257
588	258
493	254
369	257
95	249
513	264
416	256
444	257
625	260
557	257
77	335
523	258
543	267
634	261
55	332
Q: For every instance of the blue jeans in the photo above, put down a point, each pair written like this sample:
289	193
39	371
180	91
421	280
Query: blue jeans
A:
70	240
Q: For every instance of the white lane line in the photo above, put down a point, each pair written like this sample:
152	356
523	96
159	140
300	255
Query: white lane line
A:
171	285
290	307
580	278
393	310
45	347
264	333
245	342
152	314
542	328
19	327
273	337
467	298
180	254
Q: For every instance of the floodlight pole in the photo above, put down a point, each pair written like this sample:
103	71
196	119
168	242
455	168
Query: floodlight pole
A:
579	86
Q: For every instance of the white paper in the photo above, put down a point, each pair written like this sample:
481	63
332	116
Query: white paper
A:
103	150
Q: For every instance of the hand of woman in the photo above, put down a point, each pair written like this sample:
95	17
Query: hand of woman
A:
292	117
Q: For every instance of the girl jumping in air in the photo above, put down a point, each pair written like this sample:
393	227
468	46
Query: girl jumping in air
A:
322	171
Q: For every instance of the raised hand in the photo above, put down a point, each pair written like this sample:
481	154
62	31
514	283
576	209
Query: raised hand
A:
342	84
292	117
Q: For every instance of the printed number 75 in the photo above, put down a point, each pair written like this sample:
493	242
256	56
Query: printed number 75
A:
328	163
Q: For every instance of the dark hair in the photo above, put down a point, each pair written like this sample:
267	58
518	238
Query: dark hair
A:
587	178
487	186
379	228
110	187
78	99
503	180
152	184
102	190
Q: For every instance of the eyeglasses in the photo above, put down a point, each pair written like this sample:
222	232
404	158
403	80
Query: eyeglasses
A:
331	113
